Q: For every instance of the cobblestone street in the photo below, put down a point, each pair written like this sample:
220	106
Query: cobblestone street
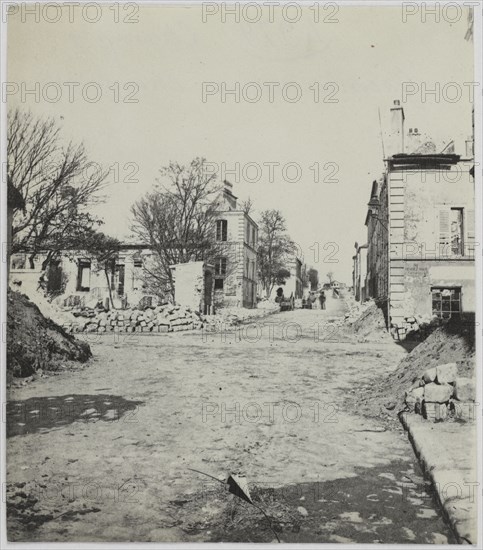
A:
109	457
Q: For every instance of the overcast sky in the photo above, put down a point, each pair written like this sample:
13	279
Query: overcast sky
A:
168	54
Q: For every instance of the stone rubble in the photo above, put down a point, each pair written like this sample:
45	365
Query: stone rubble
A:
440	394
159	318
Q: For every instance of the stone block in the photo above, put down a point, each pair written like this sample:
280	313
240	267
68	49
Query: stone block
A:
146	329
446	374
437	393
414	398
163	328
464	410
435	412
429	375
465	389
143	324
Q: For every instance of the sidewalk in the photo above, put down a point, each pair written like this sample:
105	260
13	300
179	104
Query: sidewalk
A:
447	453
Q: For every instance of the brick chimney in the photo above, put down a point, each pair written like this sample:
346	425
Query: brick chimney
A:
396	142
413	140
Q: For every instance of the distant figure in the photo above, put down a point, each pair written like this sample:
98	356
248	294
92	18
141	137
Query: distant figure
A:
322	299
279	297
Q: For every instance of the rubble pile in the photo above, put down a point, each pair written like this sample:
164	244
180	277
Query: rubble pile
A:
441	394
416	327
355	308
366	321
237	316
385	397
161	318
36	343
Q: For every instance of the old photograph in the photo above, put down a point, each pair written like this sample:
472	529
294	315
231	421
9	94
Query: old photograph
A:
241	273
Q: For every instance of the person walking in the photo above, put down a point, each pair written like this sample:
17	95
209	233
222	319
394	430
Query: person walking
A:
322	299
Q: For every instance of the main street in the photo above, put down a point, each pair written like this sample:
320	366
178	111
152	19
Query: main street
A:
104	453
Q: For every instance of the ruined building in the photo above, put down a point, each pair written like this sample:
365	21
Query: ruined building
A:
235	270
421	231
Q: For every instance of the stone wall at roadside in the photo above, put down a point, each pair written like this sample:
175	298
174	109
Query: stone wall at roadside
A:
161	318
441	394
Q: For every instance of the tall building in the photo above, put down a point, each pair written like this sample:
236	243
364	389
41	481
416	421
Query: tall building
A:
421	231
236	264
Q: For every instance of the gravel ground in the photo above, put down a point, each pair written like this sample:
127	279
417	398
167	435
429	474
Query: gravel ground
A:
103	453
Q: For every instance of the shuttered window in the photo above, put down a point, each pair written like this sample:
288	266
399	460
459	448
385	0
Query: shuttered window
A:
444	230
221	230
456	232
470	233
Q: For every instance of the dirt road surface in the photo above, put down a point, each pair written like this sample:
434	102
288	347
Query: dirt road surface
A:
103	453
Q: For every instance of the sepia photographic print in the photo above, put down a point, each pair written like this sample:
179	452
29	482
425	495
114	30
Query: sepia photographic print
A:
241	274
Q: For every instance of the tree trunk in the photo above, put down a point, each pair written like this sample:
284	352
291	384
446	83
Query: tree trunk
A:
109	287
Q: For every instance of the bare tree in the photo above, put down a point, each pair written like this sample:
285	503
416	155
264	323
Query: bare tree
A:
178	219
330	276
274	250
57	185
247	205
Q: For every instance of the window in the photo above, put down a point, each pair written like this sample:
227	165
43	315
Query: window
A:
84	275
254	238
456	227
219	283
248	233
446	302
456	232
247	268
221	230
220	266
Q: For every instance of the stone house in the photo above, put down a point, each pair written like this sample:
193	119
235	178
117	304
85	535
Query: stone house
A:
421	232
235	267
77	278
230	281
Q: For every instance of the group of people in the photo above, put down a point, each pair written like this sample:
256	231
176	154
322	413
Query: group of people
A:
312	299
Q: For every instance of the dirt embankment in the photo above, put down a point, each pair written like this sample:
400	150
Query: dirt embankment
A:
35	342
450	343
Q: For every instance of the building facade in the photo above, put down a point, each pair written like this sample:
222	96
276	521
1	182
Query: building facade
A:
235	272
78	278
421	234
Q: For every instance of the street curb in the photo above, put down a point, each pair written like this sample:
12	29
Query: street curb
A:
455	509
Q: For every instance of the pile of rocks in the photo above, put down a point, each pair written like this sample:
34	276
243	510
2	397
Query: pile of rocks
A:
440	394
419	325
161	318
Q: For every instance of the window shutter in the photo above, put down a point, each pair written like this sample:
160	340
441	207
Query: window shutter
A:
470	232
444	233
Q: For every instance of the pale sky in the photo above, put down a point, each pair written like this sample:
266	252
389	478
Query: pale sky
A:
170	52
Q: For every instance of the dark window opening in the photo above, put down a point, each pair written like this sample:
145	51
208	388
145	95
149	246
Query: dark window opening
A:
84	276
221	230
446	302
219	284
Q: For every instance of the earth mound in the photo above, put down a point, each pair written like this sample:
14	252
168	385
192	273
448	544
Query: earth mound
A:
35	342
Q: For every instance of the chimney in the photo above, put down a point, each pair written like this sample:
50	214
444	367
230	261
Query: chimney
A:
397	129
413	141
